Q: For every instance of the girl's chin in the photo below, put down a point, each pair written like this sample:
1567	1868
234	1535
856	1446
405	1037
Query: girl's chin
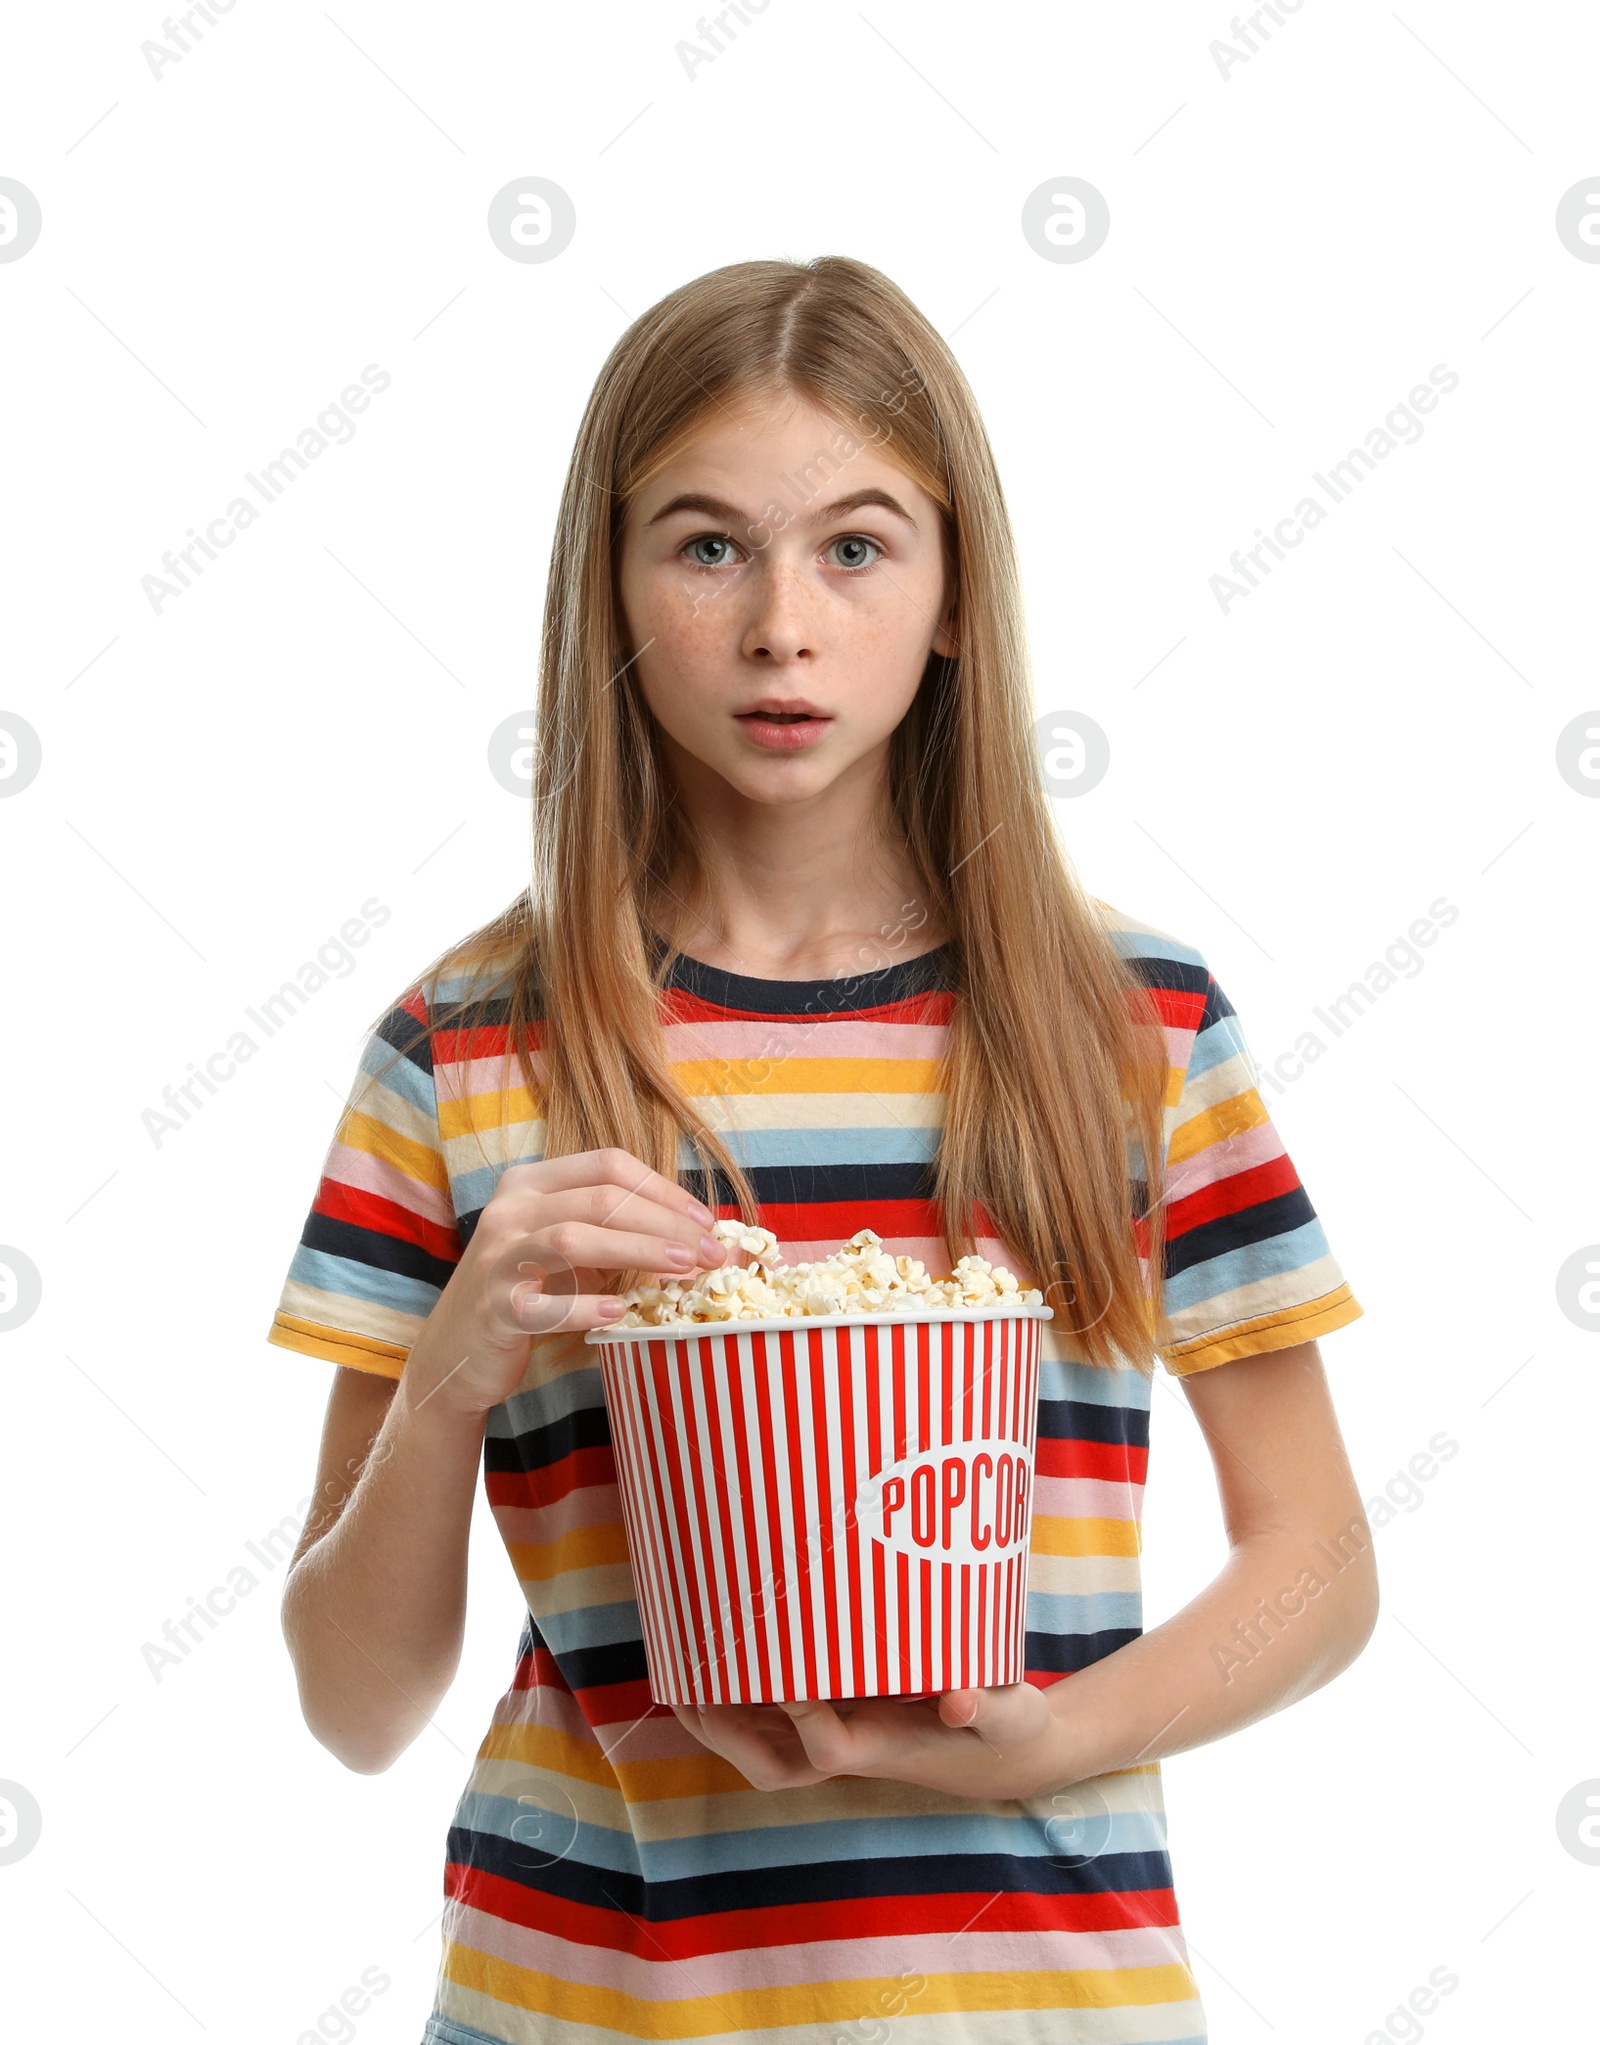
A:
779	778
789	781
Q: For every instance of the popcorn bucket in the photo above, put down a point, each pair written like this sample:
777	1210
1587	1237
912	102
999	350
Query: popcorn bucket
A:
829	1507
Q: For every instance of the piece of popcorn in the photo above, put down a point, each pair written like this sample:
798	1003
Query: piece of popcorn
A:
760	1245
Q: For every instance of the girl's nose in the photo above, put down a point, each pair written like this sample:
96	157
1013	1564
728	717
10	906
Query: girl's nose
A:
779	627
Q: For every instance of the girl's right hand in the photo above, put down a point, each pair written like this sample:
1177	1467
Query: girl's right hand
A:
536	1261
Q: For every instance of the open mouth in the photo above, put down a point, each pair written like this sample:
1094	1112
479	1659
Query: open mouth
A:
782	727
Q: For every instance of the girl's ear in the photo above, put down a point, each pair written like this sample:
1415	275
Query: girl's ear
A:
944	641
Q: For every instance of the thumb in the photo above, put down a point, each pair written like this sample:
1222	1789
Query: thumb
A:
801	1707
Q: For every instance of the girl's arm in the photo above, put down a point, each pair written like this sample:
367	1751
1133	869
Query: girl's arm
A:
1294	1603
374	1608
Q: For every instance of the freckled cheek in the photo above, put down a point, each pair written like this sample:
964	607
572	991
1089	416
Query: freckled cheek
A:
875	637
887	652
691	650
684	670
687	630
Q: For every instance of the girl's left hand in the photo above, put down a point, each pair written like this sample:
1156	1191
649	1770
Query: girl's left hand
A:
988	1744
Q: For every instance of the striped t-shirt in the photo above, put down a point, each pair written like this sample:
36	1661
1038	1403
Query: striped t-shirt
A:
609	1878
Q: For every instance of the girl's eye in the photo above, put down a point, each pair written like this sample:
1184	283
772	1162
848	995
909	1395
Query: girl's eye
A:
713	540
856	551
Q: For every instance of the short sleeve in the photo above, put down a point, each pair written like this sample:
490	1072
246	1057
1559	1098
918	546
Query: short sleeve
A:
1247	1265
381	1239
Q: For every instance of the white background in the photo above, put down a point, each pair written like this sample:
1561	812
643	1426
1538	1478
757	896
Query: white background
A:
1292	783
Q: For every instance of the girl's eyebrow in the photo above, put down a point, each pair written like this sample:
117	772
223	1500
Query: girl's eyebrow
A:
716	507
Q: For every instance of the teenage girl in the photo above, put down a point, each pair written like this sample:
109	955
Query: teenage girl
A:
801	944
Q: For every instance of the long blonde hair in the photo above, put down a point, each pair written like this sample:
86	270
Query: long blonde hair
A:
1055	1066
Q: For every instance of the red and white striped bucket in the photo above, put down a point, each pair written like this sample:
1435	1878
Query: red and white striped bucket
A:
837	1507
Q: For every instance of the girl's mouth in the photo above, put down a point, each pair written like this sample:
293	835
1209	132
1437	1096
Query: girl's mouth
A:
782	730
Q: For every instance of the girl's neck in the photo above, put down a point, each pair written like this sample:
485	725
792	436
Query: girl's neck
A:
802	891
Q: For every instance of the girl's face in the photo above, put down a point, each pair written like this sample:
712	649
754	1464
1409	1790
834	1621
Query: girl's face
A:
783	583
